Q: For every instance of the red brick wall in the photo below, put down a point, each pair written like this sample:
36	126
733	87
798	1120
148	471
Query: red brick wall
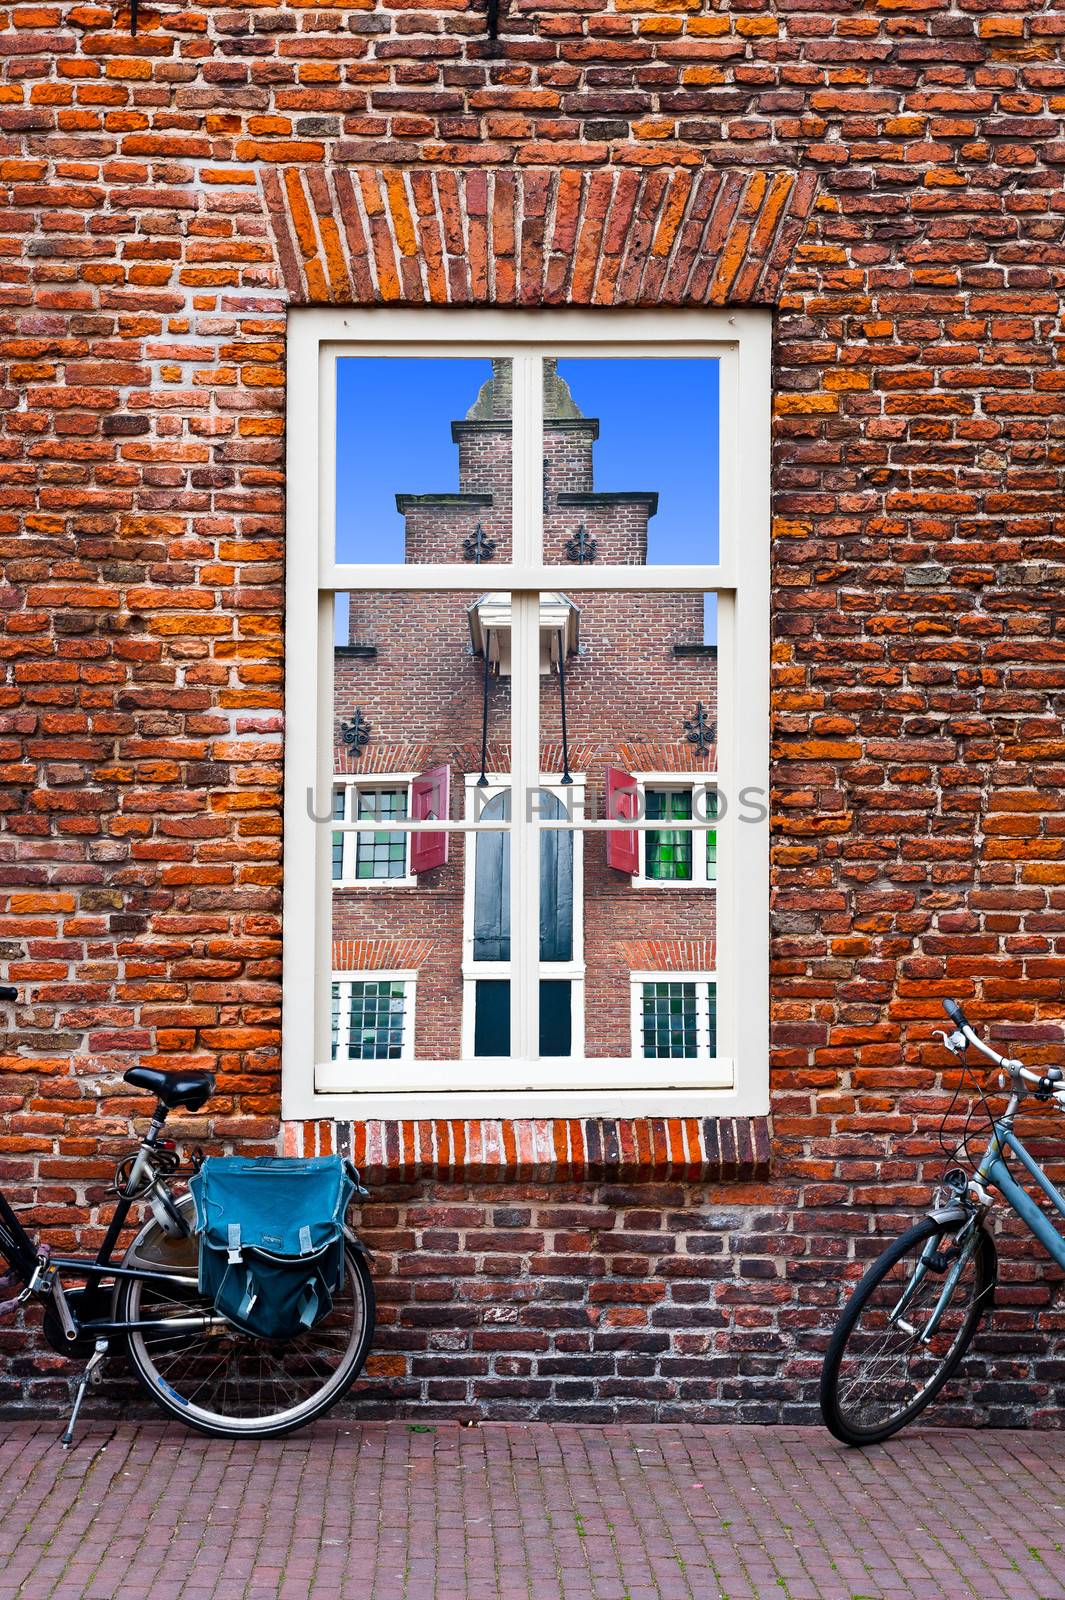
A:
890	183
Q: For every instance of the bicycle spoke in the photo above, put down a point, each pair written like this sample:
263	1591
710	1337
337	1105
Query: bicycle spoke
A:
226	1378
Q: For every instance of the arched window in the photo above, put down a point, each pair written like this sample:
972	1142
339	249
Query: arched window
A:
491	898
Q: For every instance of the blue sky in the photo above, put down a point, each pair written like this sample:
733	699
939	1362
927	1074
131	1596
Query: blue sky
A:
658	430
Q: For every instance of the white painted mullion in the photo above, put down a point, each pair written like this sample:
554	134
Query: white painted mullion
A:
527	477
321	877
702	1018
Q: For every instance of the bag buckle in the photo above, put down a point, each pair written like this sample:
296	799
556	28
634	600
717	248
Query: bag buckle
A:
233	1255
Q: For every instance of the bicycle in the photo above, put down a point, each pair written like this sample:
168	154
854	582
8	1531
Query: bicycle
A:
193	1363
907	1325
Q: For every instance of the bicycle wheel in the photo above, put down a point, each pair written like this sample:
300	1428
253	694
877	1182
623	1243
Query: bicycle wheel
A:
879	1372
222	1381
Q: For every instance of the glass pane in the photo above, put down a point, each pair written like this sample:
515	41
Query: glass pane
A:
669	1020
423	459
410	742
638	680
631	461
669	851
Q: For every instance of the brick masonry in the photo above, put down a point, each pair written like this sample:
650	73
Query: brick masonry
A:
889	182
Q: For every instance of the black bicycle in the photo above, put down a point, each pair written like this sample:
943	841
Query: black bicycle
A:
194	1363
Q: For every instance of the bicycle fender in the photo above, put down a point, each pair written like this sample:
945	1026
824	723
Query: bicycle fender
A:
357	1244
954	1213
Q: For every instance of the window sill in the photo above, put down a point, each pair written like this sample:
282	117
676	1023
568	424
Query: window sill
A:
638	1149
353	884
690	885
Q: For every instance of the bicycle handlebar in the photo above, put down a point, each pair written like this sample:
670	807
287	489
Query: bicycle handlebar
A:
1044	1080
7	992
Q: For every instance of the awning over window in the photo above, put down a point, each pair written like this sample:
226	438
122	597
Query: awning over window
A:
490	628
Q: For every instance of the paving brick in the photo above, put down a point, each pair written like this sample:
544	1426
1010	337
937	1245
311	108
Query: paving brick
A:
528	1512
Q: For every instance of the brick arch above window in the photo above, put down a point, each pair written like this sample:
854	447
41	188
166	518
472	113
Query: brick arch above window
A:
669	955
536	236
381	955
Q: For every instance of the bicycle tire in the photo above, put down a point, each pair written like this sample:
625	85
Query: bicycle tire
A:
171	1400
985	1271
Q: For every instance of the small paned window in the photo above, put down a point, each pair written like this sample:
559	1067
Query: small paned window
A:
381	855
370	1019
669	851
678	1018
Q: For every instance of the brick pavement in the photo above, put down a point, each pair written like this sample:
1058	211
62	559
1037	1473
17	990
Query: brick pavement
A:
402	1511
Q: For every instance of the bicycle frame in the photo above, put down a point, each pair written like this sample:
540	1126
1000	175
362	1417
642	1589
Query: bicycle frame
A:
42	1270
993	1169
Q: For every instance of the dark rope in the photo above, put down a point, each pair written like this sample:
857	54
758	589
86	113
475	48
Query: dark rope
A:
482	782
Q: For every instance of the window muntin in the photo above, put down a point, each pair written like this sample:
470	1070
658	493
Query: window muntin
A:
741	586
372	1017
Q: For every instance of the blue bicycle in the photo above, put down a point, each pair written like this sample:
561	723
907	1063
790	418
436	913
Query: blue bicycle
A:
909	1322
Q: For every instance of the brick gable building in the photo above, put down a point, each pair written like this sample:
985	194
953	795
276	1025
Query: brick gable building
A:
887	185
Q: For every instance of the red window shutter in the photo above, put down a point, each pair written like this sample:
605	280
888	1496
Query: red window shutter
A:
429	799
621	851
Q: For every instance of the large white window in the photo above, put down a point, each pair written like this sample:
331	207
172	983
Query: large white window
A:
534	583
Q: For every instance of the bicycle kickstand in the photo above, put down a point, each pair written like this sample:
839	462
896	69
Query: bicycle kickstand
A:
87	1377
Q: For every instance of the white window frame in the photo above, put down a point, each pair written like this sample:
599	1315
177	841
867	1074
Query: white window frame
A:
701	980
522	1084
678	781
340	1069
477	796
372	780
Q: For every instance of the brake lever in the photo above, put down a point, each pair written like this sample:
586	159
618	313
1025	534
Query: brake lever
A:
955	1042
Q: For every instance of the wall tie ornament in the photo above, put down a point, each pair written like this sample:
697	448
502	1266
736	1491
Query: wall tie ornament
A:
698	731
478	547
356	733
581	548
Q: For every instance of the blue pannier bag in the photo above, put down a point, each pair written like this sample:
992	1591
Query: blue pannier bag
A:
272	1239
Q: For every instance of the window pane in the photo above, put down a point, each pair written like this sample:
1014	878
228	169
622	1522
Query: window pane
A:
423	453
631	461
381	855
339	803
491	934
669	852
711	838
409	737
641	710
